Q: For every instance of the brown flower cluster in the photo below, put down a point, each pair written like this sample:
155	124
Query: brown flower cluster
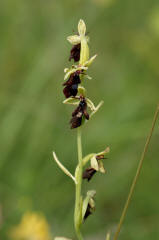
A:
71	90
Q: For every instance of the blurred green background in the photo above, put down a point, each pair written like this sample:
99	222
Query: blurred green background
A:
33	120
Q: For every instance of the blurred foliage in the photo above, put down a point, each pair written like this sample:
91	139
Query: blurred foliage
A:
33	120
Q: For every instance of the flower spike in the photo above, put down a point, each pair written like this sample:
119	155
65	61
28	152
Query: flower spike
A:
76	94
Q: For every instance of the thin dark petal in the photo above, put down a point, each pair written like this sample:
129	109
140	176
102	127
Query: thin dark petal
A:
88	173
86	114
99	157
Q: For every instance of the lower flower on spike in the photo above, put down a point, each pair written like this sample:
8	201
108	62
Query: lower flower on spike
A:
78	113
90	208
90	171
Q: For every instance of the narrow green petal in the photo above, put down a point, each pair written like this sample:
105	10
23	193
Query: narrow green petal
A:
90	61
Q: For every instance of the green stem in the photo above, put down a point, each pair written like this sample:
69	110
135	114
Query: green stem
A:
137	174
78	197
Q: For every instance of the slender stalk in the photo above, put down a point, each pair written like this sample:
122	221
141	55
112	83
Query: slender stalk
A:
78	198
137	174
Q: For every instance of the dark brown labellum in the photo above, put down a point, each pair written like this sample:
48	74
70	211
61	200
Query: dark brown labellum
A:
76	121
75	53
88	173
71	84
78	113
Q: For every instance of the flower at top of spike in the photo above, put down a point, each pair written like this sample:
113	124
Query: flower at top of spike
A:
73	89
76	39
80	50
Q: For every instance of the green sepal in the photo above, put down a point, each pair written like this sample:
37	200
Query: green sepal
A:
81	91
72	101
94	163
87	158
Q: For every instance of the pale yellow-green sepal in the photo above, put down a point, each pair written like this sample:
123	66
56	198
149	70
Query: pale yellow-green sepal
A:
81	91
90	104
94	163
87	158
74	39
72	101
81	27
66	70
90	61
84	53
72	70
107	150
101	167
96	108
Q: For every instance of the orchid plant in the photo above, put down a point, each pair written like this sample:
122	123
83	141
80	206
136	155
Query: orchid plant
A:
76	94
